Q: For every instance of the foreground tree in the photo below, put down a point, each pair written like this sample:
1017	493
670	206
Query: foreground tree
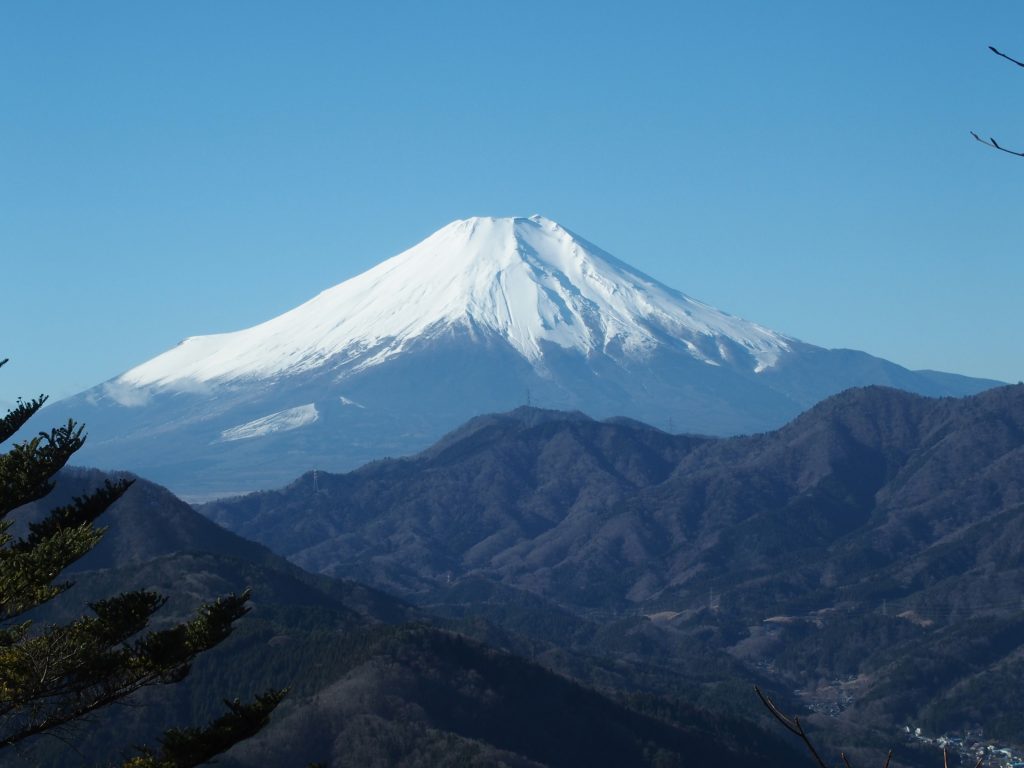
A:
52	676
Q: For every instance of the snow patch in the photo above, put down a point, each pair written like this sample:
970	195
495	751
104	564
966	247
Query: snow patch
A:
282	421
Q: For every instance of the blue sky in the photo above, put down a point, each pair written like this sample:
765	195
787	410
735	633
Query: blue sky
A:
169	170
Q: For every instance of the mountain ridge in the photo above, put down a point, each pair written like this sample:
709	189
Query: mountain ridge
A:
876	541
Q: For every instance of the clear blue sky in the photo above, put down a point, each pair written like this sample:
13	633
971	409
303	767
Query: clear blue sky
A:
174	169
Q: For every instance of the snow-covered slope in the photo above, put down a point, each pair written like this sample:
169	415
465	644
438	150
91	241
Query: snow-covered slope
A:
484	315
282	421
528	280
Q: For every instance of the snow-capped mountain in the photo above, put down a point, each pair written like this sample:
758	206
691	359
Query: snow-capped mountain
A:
529	281
483	315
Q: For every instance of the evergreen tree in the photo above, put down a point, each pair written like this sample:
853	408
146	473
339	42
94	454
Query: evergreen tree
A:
51	676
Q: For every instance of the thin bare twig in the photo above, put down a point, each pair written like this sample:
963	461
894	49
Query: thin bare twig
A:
997	52
990	142
792	724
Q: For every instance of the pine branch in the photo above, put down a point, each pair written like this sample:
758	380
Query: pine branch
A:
71	671
25	471
184	748
27	574
28	566
17	416
83	510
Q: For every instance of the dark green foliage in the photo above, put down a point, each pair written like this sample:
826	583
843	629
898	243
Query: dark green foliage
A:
82	511
29	565
180	748
54	674
17	416
26	469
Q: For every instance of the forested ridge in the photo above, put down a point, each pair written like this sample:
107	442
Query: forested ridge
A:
869	553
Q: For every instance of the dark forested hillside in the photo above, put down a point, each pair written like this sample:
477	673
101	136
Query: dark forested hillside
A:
372	682
846	553
498	482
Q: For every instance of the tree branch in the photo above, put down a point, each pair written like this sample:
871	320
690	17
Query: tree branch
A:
990	142
995	145
792	724
1008	58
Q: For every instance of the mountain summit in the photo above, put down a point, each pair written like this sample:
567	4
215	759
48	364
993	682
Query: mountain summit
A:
528	281
484	315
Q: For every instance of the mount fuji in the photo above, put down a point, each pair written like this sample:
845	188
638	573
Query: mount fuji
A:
484	315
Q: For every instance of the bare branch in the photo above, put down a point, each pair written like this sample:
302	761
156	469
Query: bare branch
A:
791	724
1008	58
845	761
888	760
990	142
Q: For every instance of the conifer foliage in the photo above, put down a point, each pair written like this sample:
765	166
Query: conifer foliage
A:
51	676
